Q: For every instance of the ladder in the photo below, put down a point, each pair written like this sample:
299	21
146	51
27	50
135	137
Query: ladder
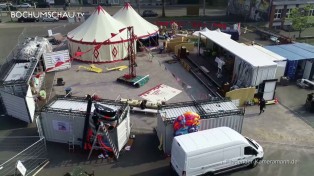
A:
113	146
105	131
71	135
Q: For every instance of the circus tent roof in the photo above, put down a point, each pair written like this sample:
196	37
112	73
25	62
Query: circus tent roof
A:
99	27
129	17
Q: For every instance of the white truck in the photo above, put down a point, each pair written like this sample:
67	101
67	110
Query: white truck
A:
213	151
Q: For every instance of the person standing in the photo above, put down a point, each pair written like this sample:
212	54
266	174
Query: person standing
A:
262	105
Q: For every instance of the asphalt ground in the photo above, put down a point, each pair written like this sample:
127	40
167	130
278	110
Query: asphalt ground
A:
282	133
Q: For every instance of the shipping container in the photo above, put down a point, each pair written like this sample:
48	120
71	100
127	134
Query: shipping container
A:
22	77
281	61
213	114
64	118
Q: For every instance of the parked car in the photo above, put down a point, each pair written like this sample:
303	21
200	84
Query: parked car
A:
305	84
43	5
201	153
50	19
5	5
149	13
24	5
28	19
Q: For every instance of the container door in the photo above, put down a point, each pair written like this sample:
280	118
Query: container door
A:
39	127
291	69
16	107
307	70
269	90
30	103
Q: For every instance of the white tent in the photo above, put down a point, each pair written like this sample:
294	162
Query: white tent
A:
100	38
129	17
216	32
196	33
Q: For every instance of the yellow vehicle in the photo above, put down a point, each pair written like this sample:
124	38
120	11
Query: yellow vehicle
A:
120	68
92	68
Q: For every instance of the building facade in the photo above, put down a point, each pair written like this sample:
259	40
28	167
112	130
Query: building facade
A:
281	9
274	11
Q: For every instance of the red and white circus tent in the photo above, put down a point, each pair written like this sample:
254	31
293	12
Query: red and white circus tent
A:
100	38
129	17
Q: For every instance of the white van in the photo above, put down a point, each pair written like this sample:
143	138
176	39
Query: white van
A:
213	151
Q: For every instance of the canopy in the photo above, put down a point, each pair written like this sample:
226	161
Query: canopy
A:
295	51
251	56
129	17
99	27
196	33
206	30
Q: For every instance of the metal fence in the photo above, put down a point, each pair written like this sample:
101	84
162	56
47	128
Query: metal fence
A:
33	157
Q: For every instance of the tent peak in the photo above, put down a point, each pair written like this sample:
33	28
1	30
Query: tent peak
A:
127	5
99	8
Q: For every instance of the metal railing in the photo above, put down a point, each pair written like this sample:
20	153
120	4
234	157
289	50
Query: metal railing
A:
32	157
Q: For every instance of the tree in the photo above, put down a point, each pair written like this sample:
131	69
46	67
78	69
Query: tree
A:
163	8
299	18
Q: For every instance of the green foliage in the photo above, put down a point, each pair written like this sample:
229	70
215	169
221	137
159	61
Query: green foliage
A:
300	19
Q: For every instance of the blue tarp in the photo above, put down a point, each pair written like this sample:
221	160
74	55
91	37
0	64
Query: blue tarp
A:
305	46
295	51
284	53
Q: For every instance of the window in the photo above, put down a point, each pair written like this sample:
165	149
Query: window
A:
277	14
249	151
288	12
311	12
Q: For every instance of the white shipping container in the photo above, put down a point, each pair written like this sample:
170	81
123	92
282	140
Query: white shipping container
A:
64	118
281	61
213	114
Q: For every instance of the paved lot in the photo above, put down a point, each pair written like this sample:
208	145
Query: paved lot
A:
273	130
282	134
105	85
294	99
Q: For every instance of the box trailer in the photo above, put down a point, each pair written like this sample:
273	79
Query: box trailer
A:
63	119
213	114
254	69
21	79
279	60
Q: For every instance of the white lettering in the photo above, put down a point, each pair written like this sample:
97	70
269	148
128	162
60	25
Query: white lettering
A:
49	14
13	15
69	15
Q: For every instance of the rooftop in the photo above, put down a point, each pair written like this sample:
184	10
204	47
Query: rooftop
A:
295	51
206	109
240	50
209	138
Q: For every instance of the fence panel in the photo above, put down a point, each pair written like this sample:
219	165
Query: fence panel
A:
32	157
